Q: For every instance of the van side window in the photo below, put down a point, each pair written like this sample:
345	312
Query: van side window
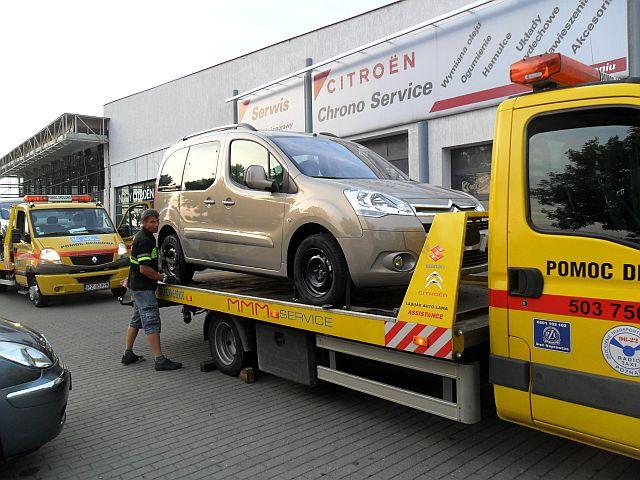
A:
21	223
584	173
201	167
245	153
171	175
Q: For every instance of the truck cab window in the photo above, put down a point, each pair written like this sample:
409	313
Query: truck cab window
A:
584	173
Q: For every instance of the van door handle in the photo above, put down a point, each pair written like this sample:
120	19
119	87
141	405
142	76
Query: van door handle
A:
228	202
526	282
209	201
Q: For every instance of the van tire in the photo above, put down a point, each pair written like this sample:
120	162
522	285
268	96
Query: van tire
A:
38	299
226	347
173	262
119	292
320	271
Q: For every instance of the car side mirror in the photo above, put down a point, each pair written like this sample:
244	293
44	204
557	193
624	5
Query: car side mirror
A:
256	179
124	231
26	238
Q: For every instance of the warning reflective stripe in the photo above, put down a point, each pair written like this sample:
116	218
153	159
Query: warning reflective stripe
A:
154	253
400	335
585	307
134	261
141	258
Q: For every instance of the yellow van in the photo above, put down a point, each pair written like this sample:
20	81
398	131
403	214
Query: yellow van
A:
62	244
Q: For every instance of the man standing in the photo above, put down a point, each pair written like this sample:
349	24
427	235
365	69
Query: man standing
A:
143	278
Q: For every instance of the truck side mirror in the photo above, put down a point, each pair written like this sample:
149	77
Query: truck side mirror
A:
256	179
16	236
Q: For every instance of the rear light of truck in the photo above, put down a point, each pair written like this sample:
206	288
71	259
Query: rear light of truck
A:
553	69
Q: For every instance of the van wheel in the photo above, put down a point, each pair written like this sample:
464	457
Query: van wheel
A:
37	298
320	271
173	262
226	346
119	292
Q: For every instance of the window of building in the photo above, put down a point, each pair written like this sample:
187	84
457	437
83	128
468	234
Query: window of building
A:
394	148
79	173
130	194
471	171
202	163
171	175
584	173
245	153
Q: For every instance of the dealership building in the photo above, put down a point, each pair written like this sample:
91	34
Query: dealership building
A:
417	81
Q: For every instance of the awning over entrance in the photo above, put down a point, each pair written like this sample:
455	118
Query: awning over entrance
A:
68	134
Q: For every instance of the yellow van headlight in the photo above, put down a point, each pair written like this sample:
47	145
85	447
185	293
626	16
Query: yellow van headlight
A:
49	255
122	250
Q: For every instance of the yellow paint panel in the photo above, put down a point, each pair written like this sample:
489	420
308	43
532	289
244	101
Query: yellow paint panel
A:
327	322
432	296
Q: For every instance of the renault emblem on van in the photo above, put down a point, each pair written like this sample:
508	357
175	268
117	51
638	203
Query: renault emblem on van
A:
94	259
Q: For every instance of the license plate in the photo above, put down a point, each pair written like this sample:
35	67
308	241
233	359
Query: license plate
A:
91	287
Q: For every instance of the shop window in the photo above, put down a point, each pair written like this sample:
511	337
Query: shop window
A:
471	171
394	148
202	163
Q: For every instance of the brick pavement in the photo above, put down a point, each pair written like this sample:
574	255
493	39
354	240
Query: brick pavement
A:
135	423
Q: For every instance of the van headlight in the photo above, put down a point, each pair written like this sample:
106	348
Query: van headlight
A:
122	250
49	255
24	355
374	204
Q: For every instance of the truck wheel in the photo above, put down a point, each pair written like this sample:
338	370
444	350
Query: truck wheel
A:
173	262
37	298
226	346
320	271
118	292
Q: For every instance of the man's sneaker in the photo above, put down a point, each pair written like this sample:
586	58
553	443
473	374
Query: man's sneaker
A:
129	357
166	364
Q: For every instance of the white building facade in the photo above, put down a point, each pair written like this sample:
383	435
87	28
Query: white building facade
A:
418	81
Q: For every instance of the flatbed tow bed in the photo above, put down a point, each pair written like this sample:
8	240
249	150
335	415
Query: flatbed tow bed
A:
387	327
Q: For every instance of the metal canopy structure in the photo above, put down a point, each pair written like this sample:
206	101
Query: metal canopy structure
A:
68	134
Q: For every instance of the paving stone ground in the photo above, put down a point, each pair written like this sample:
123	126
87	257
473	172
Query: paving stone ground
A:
135	423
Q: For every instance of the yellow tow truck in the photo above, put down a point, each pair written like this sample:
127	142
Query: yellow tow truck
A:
557	320
60	245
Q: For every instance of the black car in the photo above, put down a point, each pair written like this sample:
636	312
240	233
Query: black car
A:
34	387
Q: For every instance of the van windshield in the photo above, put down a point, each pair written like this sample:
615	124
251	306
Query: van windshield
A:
327	158
60	222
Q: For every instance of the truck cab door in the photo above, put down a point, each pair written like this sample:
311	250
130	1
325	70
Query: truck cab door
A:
131	222
22	247
574	266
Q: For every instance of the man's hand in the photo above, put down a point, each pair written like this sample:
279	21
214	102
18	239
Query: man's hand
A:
149	272
170	280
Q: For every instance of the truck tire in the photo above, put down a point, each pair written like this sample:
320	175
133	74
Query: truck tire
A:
173	262
37	298
225	344
320	271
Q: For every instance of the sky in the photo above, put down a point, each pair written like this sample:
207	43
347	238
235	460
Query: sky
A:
76	55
